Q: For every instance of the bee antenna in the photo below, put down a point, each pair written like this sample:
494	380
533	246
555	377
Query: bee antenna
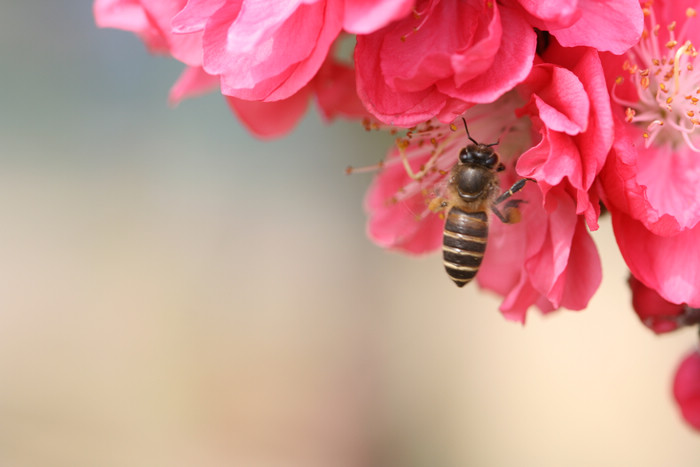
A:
493	144
467	129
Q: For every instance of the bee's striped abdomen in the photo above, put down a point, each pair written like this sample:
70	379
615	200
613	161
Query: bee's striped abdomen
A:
464	243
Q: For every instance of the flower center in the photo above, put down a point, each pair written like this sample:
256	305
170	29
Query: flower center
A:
661	69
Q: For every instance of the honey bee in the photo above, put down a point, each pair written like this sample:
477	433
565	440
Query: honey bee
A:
472	191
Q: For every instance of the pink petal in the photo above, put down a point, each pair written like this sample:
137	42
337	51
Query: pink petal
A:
671	177
670	265
548	259
457	42
193	82
268	50
336	91
677	176
553	13
606	25
401	224
130	15
584	272
462	53
686	388
366	16
570	107
510	65
385	103
194	17
269	120
656	313
560	98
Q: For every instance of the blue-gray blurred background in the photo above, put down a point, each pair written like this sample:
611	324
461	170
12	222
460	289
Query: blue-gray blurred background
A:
174	292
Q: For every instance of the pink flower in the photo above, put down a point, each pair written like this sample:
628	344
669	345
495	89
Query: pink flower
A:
570	109
658	314
548	259
686	388
650	179
442	59
269	58
268	51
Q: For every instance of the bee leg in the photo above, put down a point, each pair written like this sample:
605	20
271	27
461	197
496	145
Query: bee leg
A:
511	213
517	186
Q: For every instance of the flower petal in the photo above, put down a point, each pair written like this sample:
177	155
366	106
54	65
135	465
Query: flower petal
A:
669	264
606	25
686	388
366	16
268	120
269	50
194	81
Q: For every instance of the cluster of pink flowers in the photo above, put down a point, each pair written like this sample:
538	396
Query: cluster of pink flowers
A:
595	101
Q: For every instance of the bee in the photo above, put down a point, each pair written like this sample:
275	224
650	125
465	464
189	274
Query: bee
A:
472	191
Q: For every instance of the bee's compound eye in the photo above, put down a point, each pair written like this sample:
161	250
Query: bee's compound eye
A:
466	156
492	161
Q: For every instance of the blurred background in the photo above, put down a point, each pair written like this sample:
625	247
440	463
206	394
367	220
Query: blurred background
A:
174	292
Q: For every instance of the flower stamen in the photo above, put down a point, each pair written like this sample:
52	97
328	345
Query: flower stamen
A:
661	68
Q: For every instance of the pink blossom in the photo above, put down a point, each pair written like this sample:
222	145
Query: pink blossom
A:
650	179
612	25
686	388
270	50
439	61
269	70
548	259
570	109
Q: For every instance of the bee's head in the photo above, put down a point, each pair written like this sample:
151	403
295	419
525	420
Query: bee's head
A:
479	154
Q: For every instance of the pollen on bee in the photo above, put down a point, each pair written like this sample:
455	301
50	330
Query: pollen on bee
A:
514	215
